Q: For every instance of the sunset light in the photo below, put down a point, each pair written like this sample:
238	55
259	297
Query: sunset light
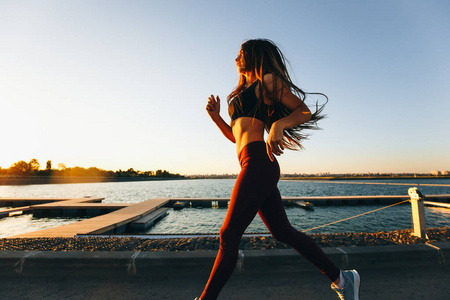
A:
124	84
197	149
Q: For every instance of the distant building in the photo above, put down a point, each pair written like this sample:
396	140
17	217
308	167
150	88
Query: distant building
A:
436	173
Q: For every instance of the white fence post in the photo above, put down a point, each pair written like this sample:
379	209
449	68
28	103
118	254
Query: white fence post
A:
418	213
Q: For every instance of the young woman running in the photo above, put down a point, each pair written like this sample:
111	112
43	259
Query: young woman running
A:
265	99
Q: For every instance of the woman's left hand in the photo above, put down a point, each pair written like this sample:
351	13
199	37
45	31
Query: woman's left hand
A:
274	143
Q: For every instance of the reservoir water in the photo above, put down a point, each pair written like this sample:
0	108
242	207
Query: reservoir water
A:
209	220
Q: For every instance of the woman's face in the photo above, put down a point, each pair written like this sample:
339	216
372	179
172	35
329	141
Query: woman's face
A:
240	63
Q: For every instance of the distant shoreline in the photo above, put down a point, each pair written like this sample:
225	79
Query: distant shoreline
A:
330	178
31	180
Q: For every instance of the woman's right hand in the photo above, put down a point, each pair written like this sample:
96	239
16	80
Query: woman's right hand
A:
213	107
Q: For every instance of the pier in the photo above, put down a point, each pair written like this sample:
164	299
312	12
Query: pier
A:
116	218
25	205
110	223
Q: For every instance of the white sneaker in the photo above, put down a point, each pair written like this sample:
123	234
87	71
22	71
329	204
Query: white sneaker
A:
351	287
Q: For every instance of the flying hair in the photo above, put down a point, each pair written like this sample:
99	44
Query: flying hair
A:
262	57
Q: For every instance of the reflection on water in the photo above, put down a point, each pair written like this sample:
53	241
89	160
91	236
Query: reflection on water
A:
437	215
27	223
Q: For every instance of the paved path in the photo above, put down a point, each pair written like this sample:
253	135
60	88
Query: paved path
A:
424	283
387	272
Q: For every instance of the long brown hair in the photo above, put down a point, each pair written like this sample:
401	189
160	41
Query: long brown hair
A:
261	57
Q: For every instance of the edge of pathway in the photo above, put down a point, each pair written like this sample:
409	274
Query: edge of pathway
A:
189	263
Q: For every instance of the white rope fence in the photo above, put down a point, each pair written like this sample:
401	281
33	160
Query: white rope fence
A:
356	216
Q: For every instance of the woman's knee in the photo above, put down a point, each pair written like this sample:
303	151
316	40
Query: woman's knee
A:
229	238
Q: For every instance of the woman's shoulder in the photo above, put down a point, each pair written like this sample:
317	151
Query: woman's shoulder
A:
270	80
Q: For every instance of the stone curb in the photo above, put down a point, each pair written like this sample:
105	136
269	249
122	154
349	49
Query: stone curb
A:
189	263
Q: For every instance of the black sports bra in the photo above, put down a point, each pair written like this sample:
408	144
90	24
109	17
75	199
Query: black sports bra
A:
246	104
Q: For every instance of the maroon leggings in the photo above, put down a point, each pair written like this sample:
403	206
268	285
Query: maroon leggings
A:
255	191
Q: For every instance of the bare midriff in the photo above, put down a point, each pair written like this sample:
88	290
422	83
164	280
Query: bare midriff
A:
247	130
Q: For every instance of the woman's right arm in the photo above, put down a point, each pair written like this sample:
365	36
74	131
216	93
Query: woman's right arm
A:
213	109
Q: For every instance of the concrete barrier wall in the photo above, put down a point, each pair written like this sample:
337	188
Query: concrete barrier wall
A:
188	263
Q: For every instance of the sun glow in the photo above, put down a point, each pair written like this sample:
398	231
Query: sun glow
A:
125	85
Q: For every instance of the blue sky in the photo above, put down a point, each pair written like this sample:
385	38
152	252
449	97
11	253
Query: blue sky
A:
120	84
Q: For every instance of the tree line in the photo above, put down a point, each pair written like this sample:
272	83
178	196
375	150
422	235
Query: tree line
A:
33	168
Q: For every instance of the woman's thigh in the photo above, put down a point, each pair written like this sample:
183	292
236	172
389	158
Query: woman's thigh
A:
252	187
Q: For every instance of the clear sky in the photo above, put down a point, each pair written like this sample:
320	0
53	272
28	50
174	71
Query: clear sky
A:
120	84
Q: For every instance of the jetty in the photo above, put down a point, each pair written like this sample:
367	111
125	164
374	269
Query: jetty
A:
110	223
23	205
118	218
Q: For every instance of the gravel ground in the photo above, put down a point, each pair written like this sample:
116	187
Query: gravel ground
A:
123	243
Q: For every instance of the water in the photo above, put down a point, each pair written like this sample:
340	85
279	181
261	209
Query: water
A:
209	220
398	217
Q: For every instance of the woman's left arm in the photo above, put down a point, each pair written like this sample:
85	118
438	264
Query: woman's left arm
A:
300	114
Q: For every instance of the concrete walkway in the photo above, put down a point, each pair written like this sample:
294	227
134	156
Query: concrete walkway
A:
387	272
411	283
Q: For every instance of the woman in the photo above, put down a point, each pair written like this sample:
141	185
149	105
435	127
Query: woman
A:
265	99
